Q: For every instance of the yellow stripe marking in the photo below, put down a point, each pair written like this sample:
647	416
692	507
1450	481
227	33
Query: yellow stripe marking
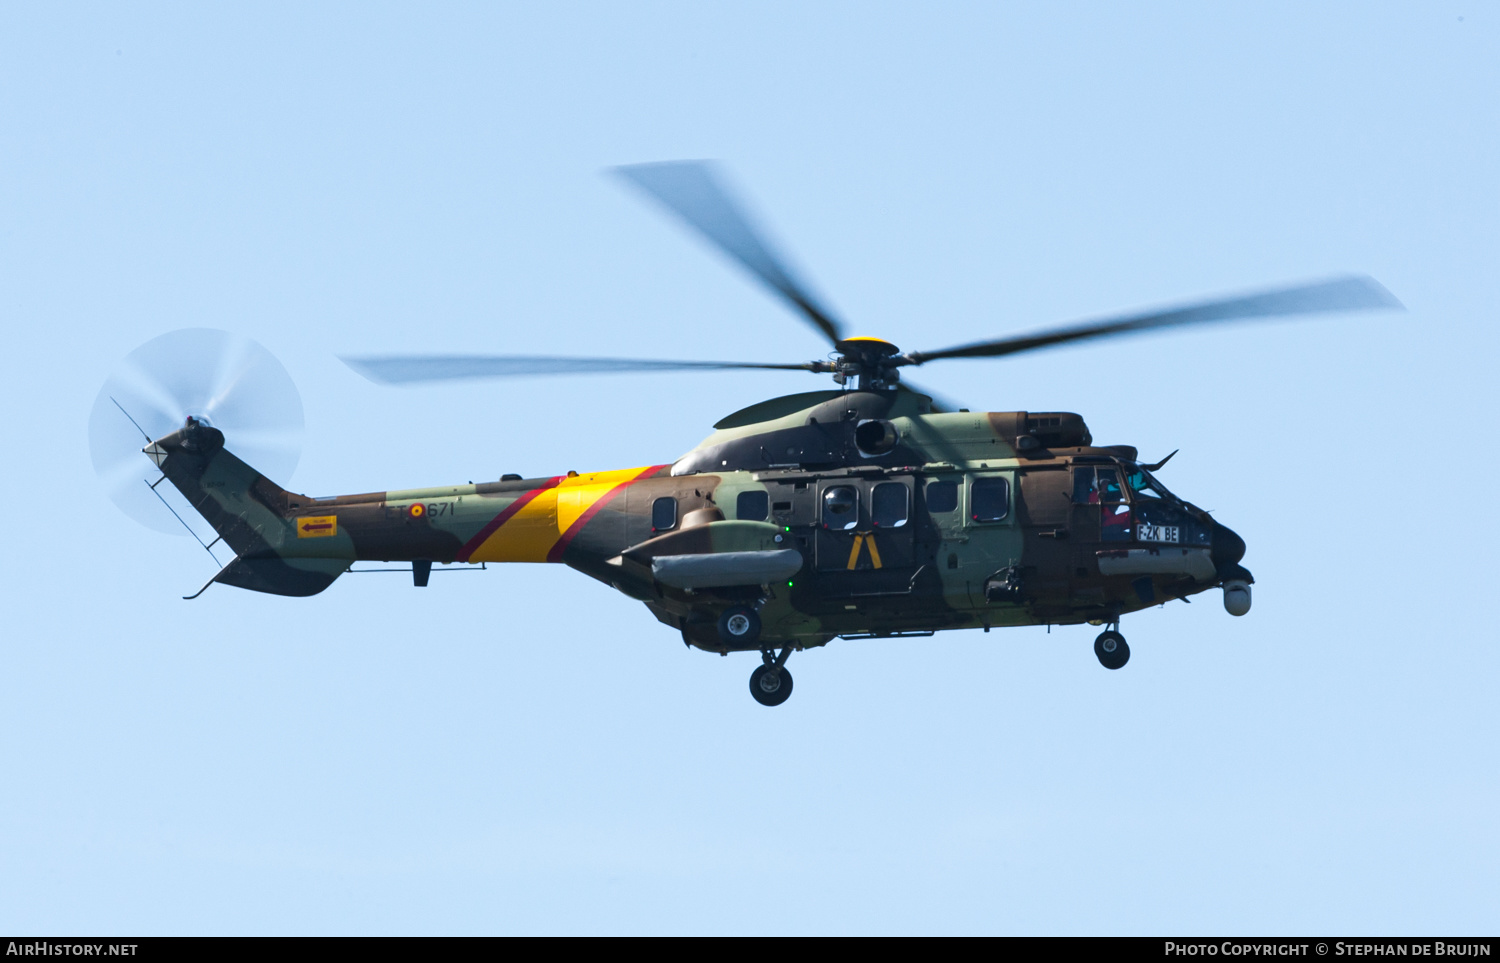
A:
526	536
529	534
577	495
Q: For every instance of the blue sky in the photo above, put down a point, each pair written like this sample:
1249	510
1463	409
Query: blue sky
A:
520	750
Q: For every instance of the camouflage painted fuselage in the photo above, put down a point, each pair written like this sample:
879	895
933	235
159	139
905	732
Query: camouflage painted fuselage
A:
901	521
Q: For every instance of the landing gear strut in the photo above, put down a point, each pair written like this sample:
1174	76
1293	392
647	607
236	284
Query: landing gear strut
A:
771	683
1111	649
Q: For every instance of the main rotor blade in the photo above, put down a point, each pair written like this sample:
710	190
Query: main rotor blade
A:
690	190
940	403
1353	293
411	369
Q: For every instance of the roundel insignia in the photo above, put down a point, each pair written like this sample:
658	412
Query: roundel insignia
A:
417	510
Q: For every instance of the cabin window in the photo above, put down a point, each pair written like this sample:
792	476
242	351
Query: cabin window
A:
663	513
942	496
752	506
889	505
840	508
1097	486
989	499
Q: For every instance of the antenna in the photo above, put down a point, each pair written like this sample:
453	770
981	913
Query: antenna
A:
152	485
137	424
206	547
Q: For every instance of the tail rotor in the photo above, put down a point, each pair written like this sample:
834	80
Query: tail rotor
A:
226	380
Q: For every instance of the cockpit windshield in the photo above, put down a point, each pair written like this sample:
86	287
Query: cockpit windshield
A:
1144	484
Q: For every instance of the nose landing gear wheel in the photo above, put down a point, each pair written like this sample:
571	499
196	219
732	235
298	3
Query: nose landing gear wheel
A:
770	686
1111	649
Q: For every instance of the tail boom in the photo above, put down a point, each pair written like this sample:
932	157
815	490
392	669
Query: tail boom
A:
289	544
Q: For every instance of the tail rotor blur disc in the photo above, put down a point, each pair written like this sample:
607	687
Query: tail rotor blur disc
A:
228	380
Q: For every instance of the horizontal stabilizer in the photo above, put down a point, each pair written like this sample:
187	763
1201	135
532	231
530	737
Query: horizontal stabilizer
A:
274	576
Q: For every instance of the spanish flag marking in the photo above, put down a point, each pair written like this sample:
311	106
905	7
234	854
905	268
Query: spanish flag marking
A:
527	521
587	502
539	525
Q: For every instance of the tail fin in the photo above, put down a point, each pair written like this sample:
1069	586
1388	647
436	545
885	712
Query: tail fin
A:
249	511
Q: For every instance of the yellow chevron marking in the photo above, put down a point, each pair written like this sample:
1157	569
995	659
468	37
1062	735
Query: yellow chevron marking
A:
860	540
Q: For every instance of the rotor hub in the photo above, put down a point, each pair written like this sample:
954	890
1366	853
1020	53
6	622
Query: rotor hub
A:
869	360
866	347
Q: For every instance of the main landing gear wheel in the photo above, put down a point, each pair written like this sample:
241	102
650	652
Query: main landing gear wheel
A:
739	626
1111	649
771	686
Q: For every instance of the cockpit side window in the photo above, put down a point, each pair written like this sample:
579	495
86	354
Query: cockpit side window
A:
1143	484
1096	486
1109	487
1101	486
1115	523
1085	486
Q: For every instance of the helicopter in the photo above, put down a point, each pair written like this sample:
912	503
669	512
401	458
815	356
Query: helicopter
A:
871	509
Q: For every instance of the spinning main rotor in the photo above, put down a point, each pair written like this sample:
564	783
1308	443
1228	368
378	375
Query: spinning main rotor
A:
691	191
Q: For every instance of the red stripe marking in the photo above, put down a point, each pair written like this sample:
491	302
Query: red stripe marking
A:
489	529
561	545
